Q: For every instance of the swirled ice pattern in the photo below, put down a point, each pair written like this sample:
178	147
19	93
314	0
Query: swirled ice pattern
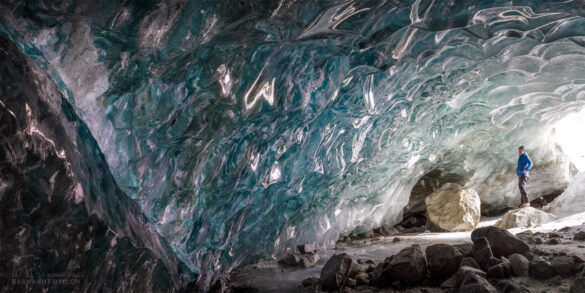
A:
241	127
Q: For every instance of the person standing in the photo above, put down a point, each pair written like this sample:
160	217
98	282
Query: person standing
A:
524	166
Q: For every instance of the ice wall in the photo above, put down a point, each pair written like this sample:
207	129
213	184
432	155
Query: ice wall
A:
65	225
243	127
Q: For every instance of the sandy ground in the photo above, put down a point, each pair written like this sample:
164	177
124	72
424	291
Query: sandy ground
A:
268	276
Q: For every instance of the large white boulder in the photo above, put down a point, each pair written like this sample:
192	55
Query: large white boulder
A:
453	208
524	217
572	200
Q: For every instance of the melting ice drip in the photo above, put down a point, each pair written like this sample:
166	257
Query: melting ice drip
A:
244	127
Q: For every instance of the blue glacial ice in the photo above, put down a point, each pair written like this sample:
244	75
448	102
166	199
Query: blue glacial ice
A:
241	128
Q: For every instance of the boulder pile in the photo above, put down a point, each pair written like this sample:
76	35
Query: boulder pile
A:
489	264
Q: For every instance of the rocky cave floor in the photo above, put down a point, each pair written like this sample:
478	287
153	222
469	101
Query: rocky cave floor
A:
371	262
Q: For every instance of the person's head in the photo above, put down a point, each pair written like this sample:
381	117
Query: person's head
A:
521	150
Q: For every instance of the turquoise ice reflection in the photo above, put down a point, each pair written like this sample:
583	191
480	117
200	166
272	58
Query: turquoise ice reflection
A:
243	127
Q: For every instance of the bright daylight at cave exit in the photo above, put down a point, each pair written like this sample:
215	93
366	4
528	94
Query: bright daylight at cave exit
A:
292	146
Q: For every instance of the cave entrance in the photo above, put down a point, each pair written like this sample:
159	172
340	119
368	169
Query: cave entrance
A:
414	213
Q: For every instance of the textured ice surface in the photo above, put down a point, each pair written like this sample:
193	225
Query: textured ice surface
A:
242	127
65	225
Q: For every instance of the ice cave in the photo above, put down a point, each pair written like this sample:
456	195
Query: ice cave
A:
292	146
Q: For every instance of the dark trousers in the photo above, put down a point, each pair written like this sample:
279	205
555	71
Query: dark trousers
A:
522	185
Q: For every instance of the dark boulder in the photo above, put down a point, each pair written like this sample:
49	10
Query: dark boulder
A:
335	273
512	286
379	276
578	285
564	265
541	269
450	284
298	260
443	260
367	234
470	262
464	271
409	265
501	270
362	279
519	264
290	260
386	231
482	253
310	282
354	269
502	242
579	236
476	284
464	248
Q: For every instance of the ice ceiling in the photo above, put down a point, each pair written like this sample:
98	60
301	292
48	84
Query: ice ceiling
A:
243	127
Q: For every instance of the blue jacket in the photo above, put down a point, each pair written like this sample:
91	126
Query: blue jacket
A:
524	163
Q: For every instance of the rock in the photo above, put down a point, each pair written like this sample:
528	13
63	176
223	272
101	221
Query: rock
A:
308	248
501	270
367	234
464	248
351	283
470	262
309	260
476	284
541	269
452	208
414	220
396	239
354	270
577	259
512	286
564	265
290	260
537	240
525	217
310	282
296	260
525	235
580	236
362	279
553	241
502	242
519	264
335	273
387	231
482	253
450	284
443	260
409	265
578	285
555	281
378	276
347	290
464	271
